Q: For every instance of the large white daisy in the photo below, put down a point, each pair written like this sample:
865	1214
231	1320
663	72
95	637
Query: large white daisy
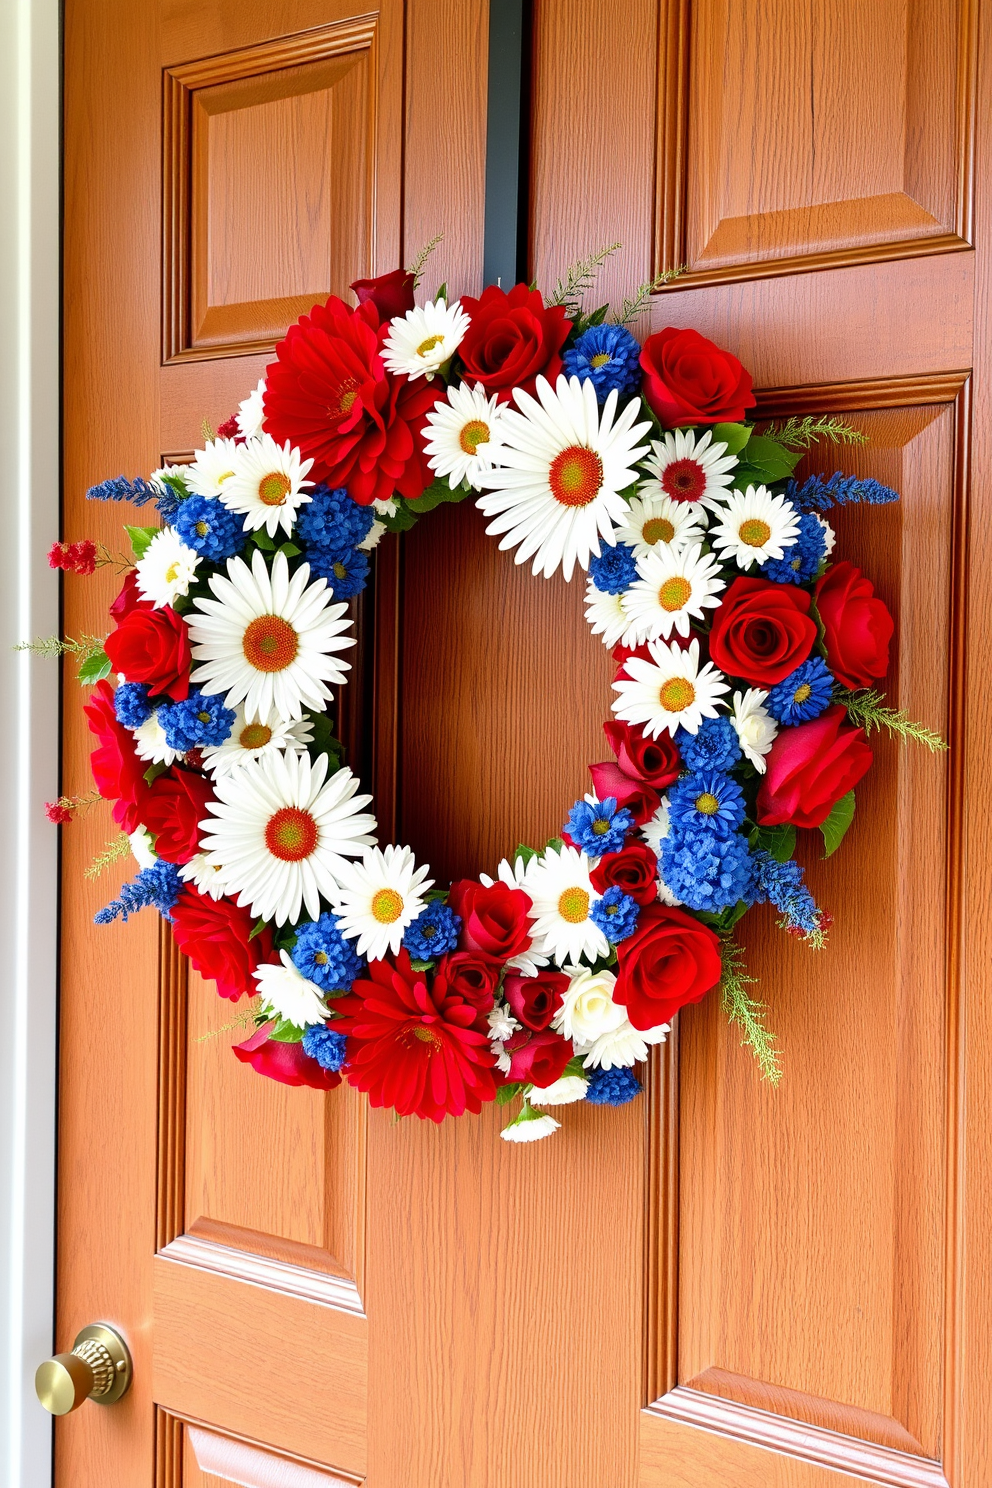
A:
280	831
267	487
166	570
753	525
669	690
251	412
288	995
463	436
656	522
563	465
606	614
251	738
688	468
211	467
673	589
562	895
755	726
422	340
269	640
375	900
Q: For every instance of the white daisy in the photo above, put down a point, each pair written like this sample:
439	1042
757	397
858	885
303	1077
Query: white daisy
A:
267	487
372	540
280	831
529	1126
268	640
655	522
688	468
563	465
142	847
251	738
673	589
422	340
464	436
502	1025
251	412
203	875
753	525
623	1046
175	472
756	728
211	467
563	1092
587	1007
562	895
288	995
166	570
670	690
828	533
376	899
606	614
150	742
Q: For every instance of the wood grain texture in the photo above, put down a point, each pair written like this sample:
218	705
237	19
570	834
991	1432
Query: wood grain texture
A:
213	1458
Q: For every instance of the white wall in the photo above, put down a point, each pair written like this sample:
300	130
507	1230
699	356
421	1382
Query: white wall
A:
29	494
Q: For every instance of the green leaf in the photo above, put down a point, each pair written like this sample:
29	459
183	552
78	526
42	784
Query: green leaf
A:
140	538
506	1093
94	669
287	1033
264	541
442	293
779	841
556	842
154	771
257	929
435	495
734	436
575	1067
767	461
290	549
401	520
837	823
524	853
726	919
421	965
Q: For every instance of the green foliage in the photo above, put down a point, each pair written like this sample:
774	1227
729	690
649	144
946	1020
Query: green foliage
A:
436	494
745	1011
257	928
154	771
245	1018
779	841
118	847
579	279
556	842
417	267
208	431
290	549
421	965
725	921
94	669
401	520
837	823
803	433
262	540
767	461
506	1093
325	742
631	309
52	646
734	436
286	1033
523	853
868	709
141	538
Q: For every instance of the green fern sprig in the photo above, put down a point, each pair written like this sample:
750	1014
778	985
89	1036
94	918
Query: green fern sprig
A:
803	433
117	847
53	646
746	1011
631	309
244	1018
869	710
579	279
417	267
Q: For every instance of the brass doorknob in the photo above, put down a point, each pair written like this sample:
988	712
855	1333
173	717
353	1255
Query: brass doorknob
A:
99	1368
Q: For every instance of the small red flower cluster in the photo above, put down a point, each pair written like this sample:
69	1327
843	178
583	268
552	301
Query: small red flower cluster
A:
77	557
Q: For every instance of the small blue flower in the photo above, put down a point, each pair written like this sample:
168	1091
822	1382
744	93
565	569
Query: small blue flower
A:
802	560
324	957
121	489
205	525
803	694
323	1044
433	932
199	721
346	571
601	828
706	802
714	747
612	1087
615	914
608	355
783	885
614	570
705	871
820	494
131	704
331	520
159	885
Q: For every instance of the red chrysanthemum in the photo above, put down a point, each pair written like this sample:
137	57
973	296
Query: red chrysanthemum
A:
416	1048
329	394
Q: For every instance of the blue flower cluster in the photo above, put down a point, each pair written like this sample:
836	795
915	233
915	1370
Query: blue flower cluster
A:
713	747
346	572
433	933
804	694
782	884
608	356
705	871
818	494
131	704
803	559
599	828
615	914
171	497
706	801
612	1087
331	526
206	526
614	570
139	491
324	957
198	722
327	1047
159	885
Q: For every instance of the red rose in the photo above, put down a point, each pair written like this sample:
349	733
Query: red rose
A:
857	623
689	380
216	936
670	959
655	761
473	976
290	1064
537	1058
762	631
175	805
635	870
809	768
494	921
117	771
534	1000
391	294
329	394
640	800
513	338
129	599
152	646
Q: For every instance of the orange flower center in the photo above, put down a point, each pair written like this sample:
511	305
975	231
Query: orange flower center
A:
291	834
676	694
657	529
254	736
683	480
674	593
270	644
754	532
387	906
575	476
573	906
274	488
474	433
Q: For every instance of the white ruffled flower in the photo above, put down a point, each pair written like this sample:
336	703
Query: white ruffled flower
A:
606	614
622	1047
753	526
288	995
756	728
587	1008
420	342
372	540
387	508
563	1092
529	1126
142	848
654	831
251	412
211	467
463	436
166	570
150	742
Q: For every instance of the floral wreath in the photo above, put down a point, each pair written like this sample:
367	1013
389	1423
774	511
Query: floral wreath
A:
746	660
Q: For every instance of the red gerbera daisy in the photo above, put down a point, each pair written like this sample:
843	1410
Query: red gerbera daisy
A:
329	394
414	1047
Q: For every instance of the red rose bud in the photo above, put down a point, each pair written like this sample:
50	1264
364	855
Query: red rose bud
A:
809	769
152	646
655	761
640	800
670	960
118	773
472	976
539	1061
534	1000
287	1063
391	294
762	631
635	870
689	380
175	806
495	920
857	625
513	338
216	935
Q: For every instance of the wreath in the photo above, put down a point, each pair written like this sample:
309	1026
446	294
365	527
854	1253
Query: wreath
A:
747	656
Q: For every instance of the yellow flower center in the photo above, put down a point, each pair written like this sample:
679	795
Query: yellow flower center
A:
172	572
600	826
340	572
754	532
203	717
802	692
426	1035
674	593
387	906
573	906
676	694
320	958
575	476
707	803
202	529
274	488
254	736
599	360
657	529
429	345
474	433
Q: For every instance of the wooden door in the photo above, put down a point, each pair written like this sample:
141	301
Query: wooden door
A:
722	1285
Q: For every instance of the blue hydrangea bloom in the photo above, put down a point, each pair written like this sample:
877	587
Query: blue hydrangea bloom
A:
783	885
706	801
346	570
705	871
200	720
131	704
802	560
615	914
331	520
614	570
323	1044
714	747
433	932
601	828
612	1087
324	957
158	885
803	694
121	489
820	494
608	355
206	526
